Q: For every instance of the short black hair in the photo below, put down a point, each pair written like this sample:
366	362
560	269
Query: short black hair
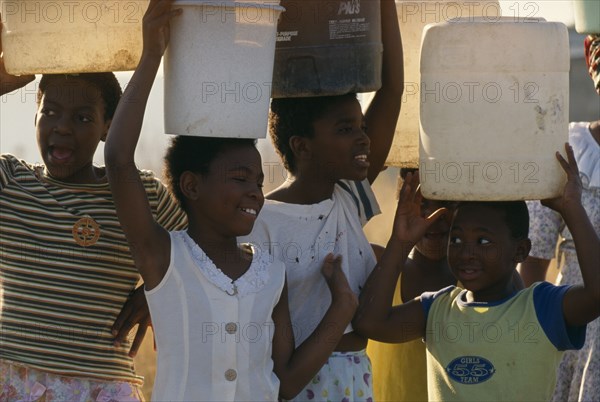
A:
404	171
195	154
290	117
107	84
516	215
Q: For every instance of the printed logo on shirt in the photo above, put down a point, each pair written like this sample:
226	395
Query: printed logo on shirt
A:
470	370
86	232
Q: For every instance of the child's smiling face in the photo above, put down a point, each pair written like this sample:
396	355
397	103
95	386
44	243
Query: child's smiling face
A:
70	124
340	143
482	253
231	192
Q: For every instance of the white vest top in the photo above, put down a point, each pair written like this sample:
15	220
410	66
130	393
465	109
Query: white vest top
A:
214	337
300	236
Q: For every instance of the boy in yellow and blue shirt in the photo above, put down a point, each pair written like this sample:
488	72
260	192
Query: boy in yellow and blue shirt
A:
490	340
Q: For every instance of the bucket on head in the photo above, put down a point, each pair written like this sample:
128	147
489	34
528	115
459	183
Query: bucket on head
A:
494	109
328	48
49	37
587	16
218	69
413	16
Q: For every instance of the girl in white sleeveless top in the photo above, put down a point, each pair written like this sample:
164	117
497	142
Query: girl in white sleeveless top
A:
219	309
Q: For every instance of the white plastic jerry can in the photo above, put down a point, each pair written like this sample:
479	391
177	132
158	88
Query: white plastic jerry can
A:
494	109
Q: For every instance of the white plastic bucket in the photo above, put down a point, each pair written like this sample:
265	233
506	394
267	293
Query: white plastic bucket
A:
587	16
494	109
218	69
50	37
413	15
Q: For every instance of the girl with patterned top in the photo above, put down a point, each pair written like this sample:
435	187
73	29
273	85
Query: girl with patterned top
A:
219	309
66	269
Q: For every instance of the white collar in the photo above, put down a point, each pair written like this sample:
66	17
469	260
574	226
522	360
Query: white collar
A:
252	281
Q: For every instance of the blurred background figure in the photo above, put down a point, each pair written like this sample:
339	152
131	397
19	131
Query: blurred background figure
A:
578	376
400	369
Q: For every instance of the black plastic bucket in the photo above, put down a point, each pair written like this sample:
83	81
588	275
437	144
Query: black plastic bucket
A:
327	48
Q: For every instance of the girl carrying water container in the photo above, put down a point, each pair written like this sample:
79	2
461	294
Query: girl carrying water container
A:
219	309
332	153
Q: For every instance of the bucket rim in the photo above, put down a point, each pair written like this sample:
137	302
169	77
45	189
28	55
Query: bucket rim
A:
500	19
227	3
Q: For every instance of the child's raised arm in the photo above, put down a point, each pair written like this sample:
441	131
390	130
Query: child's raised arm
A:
581	303
382	114
296	367
149	242
376	318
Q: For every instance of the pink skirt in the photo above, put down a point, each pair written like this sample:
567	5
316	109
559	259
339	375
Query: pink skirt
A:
19	383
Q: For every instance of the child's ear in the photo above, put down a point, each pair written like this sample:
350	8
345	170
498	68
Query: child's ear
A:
523	248
301	147
189	183
106	127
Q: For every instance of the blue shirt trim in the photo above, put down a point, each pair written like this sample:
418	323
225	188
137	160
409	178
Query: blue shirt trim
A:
365	200
345	187
548	302
428	298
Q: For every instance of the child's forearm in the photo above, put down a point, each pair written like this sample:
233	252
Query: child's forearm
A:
129	116
392	72
313	353
376	298
382	114
149	242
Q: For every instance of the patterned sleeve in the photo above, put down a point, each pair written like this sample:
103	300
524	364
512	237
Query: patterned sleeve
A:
4	171
544	228
165	208
364	198
8	165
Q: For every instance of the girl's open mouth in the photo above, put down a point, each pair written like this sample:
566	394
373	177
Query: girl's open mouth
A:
60	154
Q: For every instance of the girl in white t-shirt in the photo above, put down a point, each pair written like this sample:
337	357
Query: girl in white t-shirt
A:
219	309
332	153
